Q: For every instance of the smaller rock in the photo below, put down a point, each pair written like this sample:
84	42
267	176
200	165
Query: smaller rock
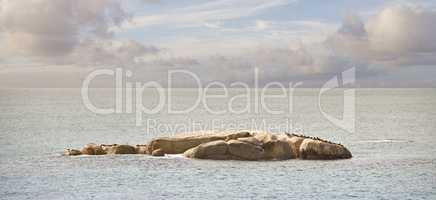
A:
72	152
122	149
313	149
106	147
141	149
92	149
191	153
158	152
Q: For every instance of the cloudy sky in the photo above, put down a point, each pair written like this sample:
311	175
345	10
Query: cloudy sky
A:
46	43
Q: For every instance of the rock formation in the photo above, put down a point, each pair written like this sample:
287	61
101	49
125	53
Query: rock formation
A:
72	152
317	149
92	149
179	144
229	146
121	149
210	150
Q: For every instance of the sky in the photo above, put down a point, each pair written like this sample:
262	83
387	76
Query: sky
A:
47	43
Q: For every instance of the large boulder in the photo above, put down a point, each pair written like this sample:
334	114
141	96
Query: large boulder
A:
216	150
245	150
313	149
181	143
121	149
92	149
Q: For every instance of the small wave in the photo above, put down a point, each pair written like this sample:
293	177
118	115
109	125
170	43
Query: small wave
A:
385	141
175	155
168	156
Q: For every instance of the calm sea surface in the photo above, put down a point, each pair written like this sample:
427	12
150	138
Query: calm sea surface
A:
394	148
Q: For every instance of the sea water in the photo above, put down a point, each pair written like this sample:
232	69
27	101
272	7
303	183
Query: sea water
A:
393	146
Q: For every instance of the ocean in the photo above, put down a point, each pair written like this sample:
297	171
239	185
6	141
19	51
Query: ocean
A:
393	147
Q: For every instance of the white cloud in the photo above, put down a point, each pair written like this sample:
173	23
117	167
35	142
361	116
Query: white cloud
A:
397	36
214	25
79	33
262	25
197	15
116	53
66	32
51	28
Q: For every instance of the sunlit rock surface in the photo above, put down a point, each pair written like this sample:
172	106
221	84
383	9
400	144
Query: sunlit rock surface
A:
180	143
228	146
